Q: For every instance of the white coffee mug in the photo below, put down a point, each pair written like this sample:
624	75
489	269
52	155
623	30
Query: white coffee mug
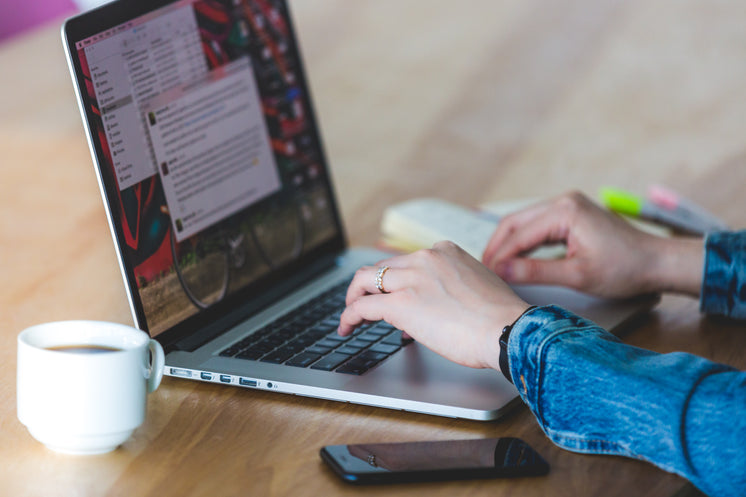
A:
82	385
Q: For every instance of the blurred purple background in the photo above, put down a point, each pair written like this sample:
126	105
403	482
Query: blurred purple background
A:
17	16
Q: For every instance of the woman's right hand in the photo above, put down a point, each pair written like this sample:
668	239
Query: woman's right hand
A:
606	256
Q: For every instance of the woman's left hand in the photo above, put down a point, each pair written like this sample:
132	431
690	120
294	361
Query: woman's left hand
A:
443	298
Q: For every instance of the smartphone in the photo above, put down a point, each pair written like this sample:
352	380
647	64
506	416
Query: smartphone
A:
434	461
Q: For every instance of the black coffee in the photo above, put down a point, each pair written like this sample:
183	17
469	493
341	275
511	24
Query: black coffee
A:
84	349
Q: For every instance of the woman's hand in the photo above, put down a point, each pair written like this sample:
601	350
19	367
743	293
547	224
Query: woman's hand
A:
443	298
606	256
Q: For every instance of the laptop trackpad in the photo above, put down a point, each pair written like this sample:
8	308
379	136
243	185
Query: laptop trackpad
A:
416	373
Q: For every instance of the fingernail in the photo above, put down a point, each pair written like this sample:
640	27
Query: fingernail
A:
504	270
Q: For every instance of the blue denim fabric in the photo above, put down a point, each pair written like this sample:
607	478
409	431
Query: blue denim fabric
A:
724	281
591	393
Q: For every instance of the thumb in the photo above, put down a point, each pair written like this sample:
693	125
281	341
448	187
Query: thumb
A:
538	271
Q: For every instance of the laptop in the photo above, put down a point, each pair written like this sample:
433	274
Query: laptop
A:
220	203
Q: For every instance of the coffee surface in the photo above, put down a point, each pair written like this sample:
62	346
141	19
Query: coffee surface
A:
84	349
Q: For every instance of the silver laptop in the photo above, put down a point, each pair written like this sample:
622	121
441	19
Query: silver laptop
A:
221	207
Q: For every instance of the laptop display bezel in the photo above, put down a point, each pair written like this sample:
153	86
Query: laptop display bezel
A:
239	302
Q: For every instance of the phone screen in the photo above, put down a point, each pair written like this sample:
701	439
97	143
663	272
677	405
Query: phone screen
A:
437	460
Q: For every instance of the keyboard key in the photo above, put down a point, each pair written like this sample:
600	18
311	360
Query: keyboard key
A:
294	326
315	338
337	337
310	318
263	347
304	359
230	351
293	348
381	329
371	355
261	333
330	362
273	341
326	309
348	349
396	339
384	348
368	337
304	341
353	368
361	344
329	343
320	330
278	356
250	354
248	341
362	363
319	349
285	334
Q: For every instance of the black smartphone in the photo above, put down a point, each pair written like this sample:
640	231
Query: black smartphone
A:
434	461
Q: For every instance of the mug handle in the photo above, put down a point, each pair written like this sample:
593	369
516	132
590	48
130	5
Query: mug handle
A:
158	360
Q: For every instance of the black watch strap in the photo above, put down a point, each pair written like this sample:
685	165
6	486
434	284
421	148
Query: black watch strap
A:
504	337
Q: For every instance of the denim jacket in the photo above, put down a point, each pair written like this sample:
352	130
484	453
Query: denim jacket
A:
593	394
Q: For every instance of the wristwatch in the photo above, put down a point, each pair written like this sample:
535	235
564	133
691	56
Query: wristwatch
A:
504	337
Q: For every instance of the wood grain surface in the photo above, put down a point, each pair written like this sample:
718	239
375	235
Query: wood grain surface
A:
472	101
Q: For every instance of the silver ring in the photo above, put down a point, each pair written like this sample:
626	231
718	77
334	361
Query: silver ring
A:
372	460
379	278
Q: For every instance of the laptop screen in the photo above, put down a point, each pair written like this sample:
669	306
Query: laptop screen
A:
208	152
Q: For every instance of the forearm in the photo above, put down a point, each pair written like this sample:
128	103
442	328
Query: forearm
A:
713	269
675	265
593	394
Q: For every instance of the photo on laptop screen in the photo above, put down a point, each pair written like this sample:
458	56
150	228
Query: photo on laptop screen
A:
207	135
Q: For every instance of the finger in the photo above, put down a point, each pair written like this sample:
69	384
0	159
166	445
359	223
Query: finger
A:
403	260
367	308
510	224
540	271
364	281
549	227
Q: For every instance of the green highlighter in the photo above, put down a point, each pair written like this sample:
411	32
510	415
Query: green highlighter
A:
626	203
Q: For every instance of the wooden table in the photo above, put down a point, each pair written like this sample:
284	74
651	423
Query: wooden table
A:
471	101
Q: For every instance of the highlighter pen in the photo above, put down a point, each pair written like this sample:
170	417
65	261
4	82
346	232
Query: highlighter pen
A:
673	202
627	203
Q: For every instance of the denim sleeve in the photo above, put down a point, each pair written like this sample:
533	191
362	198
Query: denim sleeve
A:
723	288
591	393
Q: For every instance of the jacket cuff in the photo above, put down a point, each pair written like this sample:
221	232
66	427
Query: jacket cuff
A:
724	274
530	335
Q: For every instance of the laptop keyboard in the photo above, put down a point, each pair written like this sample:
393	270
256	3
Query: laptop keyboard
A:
307	337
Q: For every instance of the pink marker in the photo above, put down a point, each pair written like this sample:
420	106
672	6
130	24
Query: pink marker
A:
690	216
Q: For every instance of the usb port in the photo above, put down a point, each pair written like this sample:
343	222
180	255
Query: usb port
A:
184	373
247	382
225	378
205	376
